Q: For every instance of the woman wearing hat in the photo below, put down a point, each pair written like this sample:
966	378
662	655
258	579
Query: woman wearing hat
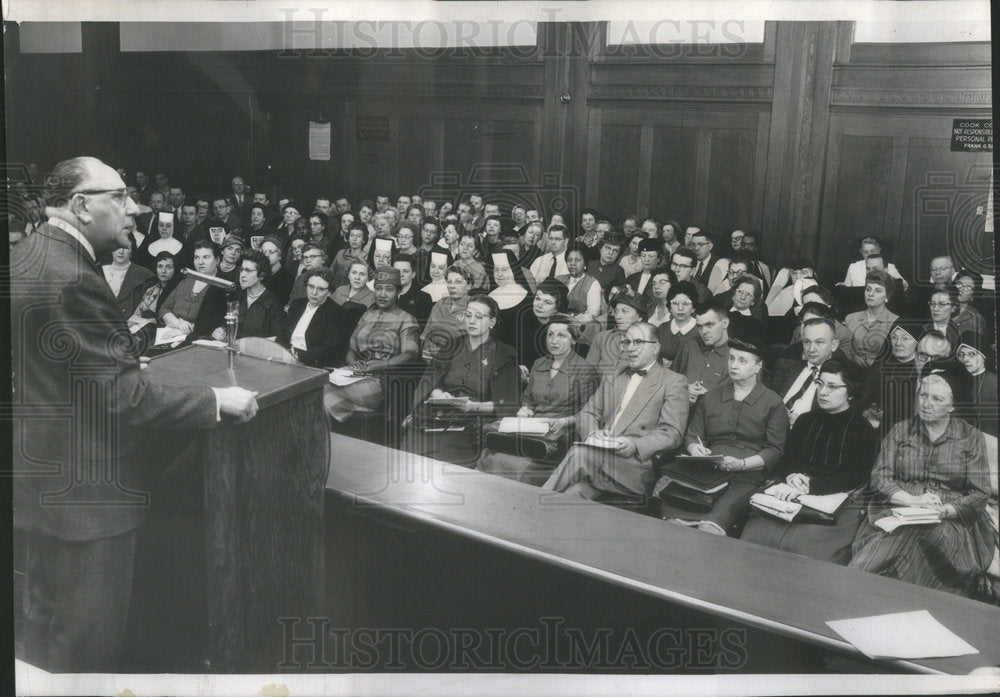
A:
559	385
481	376
357	238
627	308
829	450
682	327
745	423
356	290
384	337
870	327
974	353
232	250
279	278
890	386
937	463
443	331
289	215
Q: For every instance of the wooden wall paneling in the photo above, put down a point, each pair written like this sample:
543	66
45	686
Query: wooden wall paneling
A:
897	195
759	172
674	161
592	185
619	162
418	152
377	160
730	180
943	191
462	146
862	199
701	173
644	171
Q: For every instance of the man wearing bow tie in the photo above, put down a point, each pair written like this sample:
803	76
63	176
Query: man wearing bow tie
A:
640	411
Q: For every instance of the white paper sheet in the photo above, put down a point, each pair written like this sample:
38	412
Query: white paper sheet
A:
520	424
902	635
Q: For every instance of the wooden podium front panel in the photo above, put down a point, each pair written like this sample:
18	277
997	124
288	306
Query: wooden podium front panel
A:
264	483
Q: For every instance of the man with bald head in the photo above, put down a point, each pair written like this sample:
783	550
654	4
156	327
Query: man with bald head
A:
77	513
638	412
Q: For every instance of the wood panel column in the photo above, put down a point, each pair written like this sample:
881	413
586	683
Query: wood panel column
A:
804	57
567	49
101	45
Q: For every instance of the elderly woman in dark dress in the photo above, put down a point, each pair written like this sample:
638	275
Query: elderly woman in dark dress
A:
744	422
482	375
891	383
682	327
974	353
385	336
829	450
935	462
559	385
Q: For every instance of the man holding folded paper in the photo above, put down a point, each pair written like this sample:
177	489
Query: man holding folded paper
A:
938	463
633	415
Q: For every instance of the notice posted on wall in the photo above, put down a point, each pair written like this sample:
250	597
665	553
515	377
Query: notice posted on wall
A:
319	140
972	135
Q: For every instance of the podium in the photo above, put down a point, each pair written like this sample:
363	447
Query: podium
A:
263	507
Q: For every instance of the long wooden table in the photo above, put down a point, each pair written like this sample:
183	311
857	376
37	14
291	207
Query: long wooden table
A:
762	587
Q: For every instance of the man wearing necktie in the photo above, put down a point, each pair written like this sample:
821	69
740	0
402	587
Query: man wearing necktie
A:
795	379
635	414
553	262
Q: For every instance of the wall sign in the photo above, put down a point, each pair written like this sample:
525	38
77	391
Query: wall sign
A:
319	140
972	135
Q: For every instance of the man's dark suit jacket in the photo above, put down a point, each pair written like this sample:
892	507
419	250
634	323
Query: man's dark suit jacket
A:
633	282
786	369
328	334
134	286
82	407
241	211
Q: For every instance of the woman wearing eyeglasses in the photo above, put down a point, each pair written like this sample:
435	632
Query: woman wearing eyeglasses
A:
627	308
480	379
318	329
682	326
968	318
976	355
829	450
941	310
747	314
559	385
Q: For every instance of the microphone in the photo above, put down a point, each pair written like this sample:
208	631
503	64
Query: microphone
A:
227	286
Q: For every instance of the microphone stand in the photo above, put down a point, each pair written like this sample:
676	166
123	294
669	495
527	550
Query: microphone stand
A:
232	313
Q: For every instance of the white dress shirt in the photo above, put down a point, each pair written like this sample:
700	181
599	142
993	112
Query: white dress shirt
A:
298	339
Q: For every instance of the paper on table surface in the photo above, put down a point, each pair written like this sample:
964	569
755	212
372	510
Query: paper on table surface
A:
523	424
902	635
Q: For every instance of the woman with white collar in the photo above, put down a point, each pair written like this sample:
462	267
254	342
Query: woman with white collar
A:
128	281
976	355
438	268
681	328
165	241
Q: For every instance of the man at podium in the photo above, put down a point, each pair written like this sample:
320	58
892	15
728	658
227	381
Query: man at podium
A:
83	414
